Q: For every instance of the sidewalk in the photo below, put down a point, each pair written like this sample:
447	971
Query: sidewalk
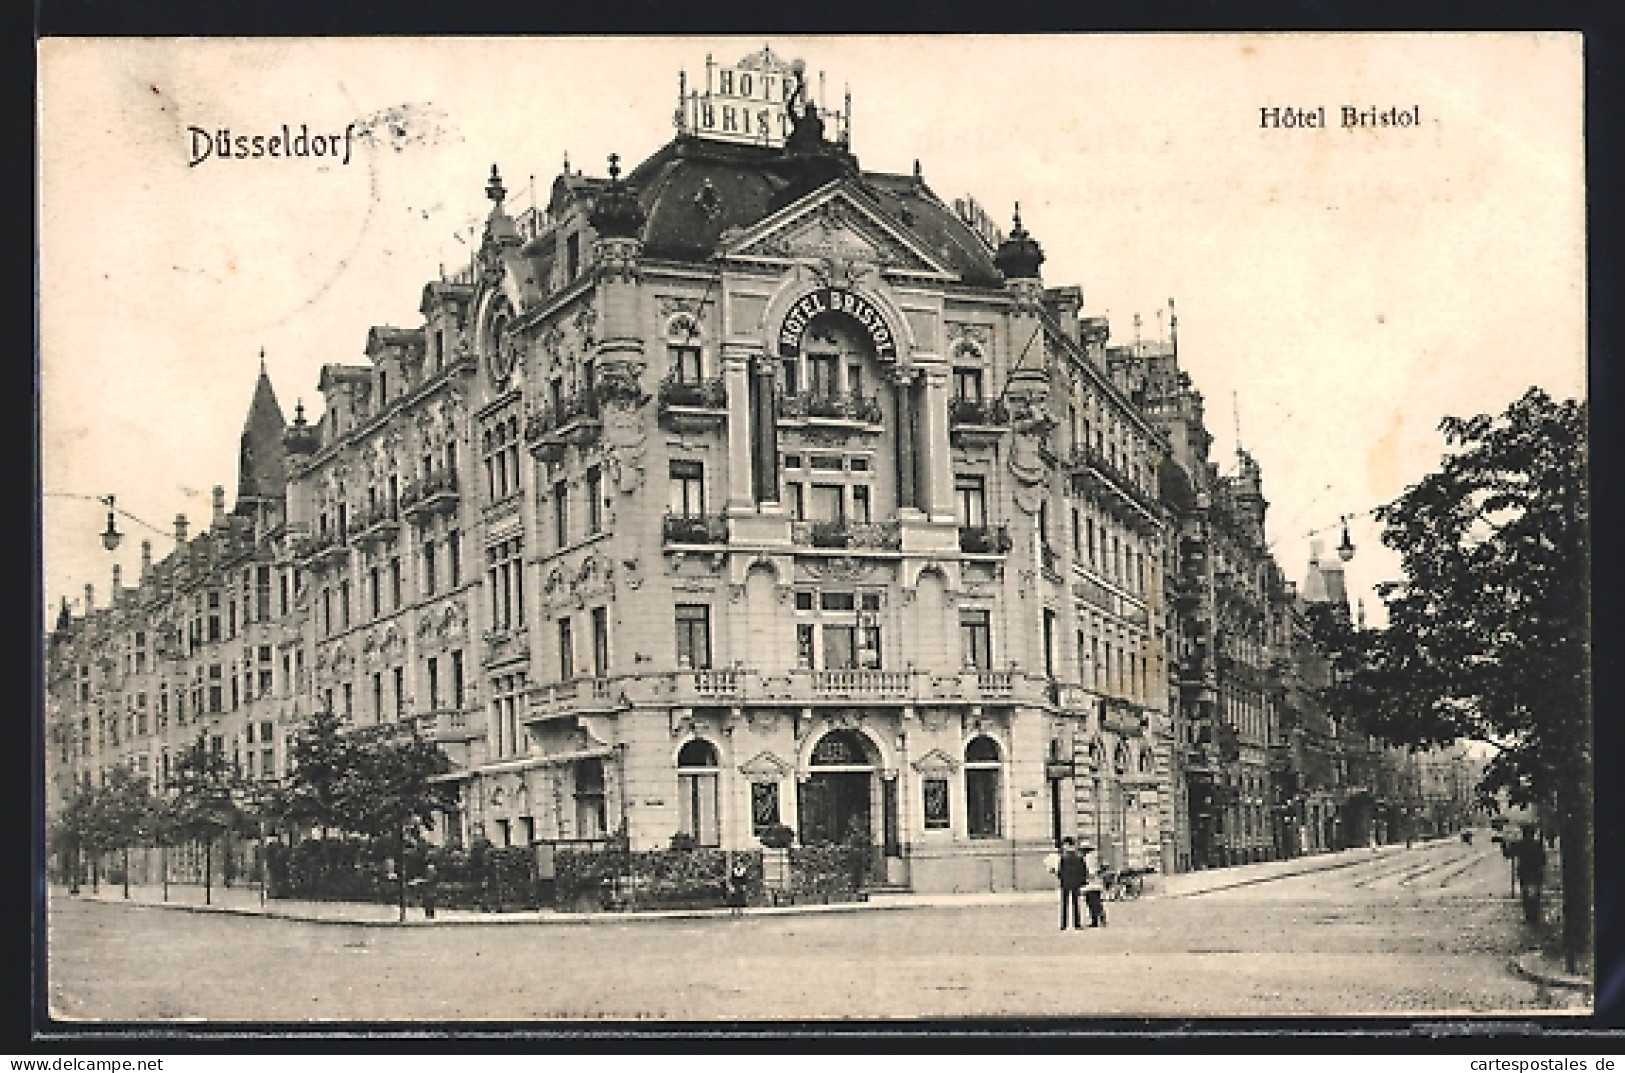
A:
245	901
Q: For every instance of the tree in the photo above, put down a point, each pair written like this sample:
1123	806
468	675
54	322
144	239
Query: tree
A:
399	792
71	834
126	813
203	807
1488	633
321	789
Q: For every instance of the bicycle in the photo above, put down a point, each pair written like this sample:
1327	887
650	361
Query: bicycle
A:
1124	886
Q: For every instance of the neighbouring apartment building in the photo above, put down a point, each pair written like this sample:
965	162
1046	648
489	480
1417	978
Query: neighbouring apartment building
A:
747	487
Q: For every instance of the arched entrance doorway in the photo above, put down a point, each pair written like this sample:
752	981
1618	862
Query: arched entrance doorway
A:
838	798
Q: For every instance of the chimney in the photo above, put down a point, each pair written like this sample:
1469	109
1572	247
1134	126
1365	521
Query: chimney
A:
90	598
180	530
218	505
146	559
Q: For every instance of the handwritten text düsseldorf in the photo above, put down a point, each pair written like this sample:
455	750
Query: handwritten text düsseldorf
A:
222	144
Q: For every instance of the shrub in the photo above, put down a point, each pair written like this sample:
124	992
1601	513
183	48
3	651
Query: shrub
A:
777	836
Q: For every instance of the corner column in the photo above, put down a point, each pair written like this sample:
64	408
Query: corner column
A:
938	468
736	379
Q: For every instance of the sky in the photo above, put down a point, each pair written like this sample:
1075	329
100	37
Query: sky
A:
1338	291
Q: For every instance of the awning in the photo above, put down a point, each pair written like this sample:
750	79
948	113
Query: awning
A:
526	763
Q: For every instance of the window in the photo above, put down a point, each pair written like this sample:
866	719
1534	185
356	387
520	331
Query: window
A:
433	673
454	557
377	696
861	512
685	362
1049	642
935	791
327	611
572	257
428	567
764	806
344	604
262	593
395	583
970	491
687	488
693	636
974	628
349	701
968	384
697	776
567	665
375	590
400	692
505	574
595	500
505	693
590	811
282	593
982	788
561	513
600	642
457	680
821	373
827	503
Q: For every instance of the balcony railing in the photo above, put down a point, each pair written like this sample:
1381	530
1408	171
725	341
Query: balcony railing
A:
977	413
709	394
862	683
1086	460
995	683
830	406
716	681
694	529
379	524
984	539
573	418
435	493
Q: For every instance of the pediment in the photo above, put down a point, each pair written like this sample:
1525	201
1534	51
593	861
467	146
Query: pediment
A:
764	765
935	762
835	228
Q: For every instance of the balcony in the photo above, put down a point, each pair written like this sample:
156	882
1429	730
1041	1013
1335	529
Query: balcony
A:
993	685
984	539
861	683
573	419
693	405
694	529
323	550
830	408
435	494
378	525
578	696
1121	716
1093	471
976	419
449	724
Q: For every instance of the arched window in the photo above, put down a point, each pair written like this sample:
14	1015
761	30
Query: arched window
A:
982	770
697	771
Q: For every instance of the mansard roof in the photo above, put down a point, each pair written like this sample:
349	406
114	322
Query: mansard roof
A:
694	191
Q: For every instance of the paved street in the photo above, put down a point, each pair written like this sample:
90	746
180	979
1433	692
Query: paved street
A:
1426	929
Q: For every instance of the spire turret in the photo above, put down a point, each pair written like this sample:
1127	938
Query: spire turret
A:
1019	255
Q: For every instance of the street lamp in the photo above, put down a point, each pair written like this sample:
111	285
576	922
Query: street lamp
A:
111	537
1345	549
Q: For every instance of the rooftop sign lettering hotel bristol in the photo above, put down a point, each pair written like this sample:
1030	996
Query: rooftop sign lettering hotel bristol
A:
836	300
746	102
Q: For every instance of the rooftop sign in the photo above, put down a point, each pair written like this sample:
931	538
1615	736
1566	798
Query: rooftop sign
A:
745	103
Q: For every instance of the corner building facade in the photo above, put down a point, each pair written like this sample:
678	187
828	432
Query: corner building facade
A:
778	518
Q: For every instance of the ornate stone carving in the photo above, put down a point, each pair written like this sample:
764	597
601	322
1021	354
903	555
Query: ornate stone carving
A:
977	335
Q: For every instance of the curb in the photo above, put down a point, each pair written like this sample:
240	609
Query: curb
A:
1529	964
649	916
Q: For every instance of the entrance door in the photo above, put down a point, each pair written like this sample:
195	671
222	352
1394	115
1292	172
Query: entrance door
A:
835	807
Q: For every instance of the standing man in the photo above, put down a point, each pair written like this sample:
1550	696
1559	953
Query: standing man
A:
1072	872
1531	872
1094	888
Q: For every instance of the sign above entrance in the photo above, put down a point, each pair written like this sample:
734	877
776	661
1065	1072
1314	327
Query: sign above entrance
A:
746	102
836	300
